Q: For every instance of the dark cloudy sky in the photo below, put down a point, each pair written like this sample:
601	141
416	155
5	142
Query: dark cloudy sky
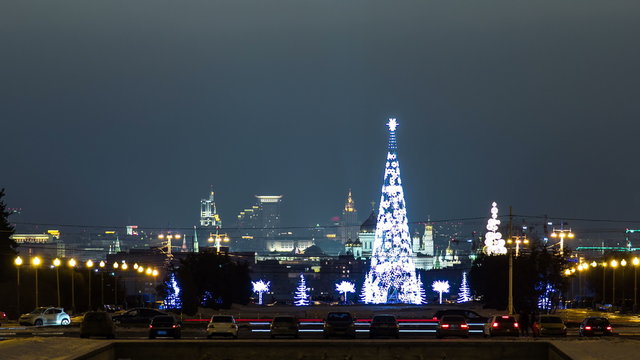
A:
116	112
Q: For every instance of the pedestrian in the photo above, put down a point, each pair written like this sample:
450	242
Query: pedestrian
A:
524	323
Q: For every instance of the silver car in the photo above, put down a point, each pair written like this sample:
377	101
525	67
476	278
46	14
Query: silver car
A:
45	316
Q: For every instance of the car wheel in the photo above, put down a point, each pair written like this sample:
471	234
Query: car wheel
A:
64	322
297	336
38	322
273	336
151	337
209	336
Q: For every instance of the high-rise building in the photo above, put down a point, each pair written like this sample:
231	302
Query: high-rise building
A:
392	277
209	216
269	214
349	225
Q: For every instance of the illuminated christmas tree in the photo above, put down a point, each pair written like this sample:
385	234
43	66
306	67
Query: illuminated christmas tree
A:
301	297
172	300
392	276
423	294
464	294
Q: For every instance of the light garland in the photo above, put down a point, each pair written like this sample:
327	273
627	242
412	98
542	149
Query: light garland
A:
301	297
494	244
464	294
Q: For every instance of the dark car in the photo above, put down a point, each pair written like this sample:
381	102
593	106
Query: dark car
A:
595	326
137	316
384	325
549	326
165	326
469	315
97	323
501	325
284	326
452	325
339	324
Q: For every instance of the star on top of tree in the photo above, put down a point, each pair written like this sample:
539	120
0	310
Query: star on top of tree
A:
392	124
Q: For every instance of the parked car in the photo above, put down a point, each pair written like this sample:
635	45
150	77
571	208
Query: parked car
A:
548	325
165	326
284	326
3	317
339	324
222	325
595	326
469	315
384	325
452	325
45	316
137	316
501	325
97	323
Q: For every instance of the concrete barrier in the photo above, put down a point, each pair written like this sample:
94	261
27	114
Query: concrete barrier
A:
327	350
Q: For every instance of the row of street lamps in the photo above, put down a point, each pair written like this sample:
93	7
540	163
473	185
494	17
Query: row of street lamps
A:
36	261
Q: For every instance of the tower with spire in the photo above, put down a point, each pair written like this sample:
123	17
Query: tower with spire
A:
209	216
349	224
392	277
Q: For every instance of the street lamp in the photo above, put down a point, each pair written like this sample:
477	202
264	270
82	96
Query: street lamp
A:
604	282
623	263
614	265
56	263
72	264
169	237
102	265
635	263
562	234
89	265
18	262
36	261
115	283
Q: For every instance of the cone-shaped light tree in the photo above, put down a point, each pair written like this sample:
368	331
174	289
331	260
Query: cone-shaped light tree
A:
302	293
392	276
464	293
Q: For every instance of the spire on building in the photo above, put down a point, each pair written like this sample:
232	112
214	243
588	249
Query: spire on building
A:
209	216
196	246
116	246
349	223
349	206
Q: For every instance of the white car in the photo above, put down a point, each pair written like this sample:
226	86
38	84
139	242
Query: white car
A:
222	325
45	316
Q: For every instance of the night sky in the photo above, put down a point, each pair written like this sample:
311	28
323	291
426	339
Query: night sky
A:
125	112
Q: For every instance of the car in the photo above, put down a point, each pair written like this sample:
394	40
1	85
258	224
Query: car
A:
595	326
339	324
165	326
501	325
452	325
3	317
284	326
224	325
97	323
384	325
45	316
548	325
137	316
469	315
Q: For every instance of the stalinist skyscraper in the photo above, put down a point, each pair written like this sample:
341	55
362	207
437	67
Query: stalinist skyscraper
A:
349	224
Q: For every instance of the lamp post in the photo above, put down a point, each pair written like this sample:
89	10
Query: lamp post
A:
562	234
18	262
614	265
89	265
102	265
623	263
115	283
72	264
635	263
218	239
604	282
56	264
36	261
169	237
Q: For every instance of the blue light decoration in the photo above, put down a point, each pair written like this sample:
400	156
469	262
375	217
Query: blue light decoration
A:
440	287
423	294
260	287
345	287
301	297
172	301
545	300
392	276
464	293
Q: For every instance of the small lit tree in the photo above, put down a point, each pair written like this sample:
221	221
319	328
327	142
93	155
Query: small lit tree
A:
464	294
440	287
301	297
260	287
172	300
423	294
345	287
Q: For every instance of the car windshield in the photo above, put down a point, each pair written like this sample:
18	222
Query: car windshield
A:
283	319
38	310
95	316
339	316
222	319
163	319
505	319
384	319
551	320
598	321
453	318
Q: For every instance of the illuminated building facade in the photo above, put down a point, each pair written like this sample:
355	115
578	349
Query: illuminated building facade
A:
349	224
209	216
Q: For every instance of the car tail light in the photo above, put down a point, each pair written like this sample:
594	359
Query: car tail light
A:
150	326
505	316
587	327
464	326
495	324
515	325
173	326
445	326
609	328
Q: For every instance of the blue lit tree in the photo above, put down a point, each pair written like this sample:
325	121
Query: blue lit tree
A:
464	294
172	300
392	276
302	293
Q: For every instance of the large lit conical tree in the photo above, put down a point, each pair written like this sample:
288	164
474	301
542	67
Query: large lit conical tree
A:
302	293
464	293
392	276
7	245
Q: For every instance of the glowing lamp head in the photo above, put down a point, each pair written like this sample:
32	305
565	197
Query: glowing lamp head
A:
135	266
115	265
567	272
102	264
571	235
635	261
89	263
614	263
72	262
124	266
554	235
36	261
623	262
177	236
155	272
140	269
594	264
56	262
18	261
161	236
148	271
